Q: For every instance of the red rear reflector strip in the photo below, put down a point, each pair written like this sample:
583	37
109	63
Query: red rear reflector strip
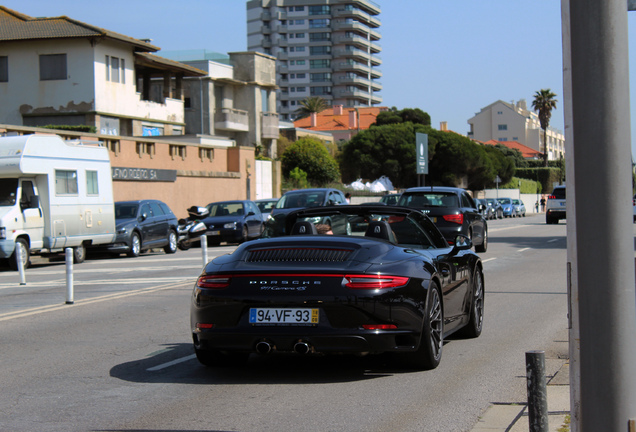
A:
216	282
457	218
374	282
204	326
379	326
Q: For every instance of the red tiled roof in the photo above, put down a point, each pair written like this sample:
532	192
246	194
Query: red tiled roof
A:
328	121
15	26
527	152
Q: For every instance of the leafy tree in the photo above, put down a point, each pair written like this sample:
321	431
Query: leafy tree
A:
311	156
382	150
393	116
312	104
544	102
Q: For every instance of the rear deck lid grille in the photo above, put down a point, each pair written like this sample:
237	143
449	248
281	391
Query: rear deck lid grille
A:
296	254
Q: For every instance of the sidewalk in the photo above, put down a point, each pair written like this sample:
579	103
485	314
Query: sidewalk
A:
513	417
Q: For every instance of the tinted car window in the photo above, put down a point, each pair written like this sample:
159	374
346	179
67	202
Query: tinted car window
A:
156	209
467	201
559	193
165	209
126	211
145	209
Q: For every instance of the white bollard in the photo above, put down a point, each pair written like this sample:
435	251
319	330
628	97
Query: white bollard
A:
69	276
204	249
19	256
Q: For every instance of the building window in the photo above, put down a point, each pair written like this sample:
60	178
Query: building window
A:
503	139
65	182
300	35
515	138
318	91
320	77
502	127
317	37
317	64
299	22
4	69
319	10
299	8
301	76
318	23
92	187
499	112
53	67
178	151
115	69
319	50
300	62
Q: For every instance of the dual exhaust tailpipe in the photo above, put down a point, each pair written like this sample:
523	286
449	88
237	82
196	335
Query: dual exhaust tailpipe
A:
300	347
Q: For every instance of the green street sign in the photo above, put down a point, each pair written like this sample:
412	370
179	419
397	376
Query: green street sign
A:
421	152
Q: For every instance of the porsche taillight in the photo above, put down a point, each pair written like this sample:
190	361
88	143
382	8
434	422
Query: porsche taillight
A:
213	281
374	281
457	218
379	326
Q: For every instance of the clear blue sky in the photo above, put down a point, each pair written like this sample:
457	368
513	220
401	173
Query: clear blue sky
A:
449	58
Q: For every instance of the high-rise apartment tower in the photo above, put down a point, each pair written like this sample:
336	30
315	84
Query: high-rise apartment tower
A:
326	48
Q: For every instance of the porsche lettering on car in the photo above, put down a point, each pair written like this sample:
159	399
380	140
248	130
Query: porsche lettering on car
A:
398	287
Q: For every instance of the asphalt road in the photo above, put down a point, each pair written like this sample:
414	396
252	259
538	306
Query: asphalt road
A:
120	358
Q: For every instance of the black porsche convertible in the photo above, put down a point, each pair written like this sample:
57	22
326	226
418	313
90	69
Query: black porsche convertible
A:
394	287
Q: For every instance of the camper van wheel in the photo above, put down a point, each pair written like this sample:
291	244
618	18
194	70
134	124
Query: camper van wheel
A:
79	254
135	245
26	259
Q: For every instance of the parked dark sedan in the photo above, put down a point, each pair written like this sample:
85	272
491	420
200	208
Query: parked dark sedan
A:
143	225
452	209
301	198
397	288
497	208
233	221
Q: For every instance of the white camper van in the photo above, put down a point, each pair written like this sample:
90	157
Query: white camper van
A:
54	194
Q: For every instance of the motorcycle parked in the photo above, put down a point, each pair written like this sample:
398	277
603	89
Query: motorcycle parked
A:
191	229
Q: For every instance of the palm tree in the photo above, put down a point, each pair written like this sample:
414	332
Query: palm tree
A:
544	102
312	104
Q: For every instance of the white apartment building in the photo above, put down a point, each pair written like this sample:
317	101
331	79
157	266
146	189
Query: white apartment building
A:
326	48
59	71
235	103
502	121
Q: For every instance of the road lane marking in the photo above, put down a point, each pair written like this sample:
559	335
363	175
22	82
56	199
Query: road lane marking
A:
553	240
523	250
62	282
489	259
171	363
51	308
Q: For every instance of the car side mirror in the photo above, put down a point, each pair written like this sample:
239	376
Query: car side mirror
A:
34	202
462	242
143	217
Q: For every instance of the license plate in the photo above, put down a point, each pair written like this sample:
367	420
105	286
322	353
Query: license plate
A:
283	316
212	233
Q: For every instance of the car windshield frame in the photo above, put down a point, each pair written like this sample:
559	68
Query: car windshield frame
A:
301	199
225	208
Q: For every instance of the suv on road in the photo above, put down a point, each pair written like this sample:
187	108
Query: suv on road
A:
452	209
555	208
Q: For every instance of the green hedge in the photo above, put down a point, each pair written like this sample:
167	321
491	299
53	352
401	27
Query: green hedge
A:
545	176
73	128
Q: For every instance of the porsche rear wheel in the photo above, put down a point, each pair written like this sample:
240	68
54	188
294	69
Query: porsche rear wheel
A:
476	320
429	353
215	358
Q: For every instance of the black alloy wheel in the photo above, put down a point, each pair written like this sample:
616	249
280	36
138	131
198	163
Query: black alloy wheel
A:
476	321
429	353
245	234
483	247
